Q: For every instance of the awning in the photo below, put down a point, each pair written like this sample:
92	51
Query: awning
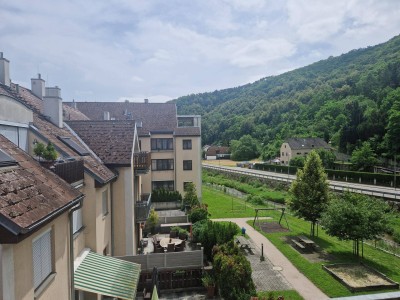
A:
107	276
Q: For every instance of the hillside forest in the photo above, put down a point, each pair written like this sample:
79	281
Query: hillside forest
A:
349	101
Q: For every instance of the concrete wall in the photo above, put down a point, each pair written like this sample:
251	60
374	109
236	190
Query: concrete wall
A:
58	288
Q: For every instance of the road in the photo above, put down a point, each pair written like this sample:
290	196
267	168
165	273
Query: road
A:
372	190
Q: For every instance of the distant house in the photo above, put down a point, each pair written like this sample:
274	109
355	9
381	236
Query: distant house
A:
217	152
293	147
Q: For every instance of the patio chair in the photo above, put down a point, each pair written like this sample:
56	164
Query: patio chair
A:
171	247
183	245
173	234
158	249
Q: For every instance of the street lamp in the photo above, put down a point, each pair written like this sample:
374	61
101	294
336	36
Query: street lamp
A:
288	167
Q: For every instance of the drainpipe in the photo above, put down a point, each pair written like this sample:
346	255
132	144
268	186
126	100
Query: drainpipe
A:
112	218
71	246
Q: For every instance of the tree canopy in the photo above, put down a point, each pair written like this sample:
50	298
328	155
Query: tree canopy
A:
364	158
355	217
309	191
345	100
246	148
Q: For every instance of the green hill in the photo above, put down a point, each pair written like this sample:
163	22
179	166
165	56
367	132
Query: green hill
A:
344	99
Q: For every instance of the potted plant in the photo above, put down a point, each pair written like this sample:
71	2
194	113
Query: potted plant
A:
174	232
48	153
183	234
208	281
152	220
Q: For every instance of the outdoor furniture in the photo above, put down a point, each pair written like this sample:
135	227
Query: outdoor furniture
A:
298	244
165	241
171	247
306	242
243	243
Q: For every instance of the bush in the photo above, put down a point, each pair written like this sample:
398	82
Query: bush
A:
198	213
162	195
233	273
256	200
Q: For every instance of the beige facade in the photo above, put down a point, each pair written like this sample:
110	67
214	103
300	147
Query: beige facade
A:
178	175
286	153
293	147
19	259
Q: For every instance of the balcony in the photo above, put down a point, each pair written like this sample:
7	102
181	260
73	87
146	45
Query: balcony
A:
141	162
142	208
71	171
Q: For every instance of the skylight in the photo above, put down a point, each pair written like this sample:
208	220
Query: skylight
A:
6	160
74	146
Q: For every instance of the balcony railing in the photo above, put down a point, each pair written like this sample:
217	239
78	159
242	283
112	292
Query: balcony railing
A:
141	162
142	208
70	171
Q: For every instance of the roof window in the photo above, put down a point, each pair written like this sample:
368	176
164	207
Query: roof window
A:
74	146
6	160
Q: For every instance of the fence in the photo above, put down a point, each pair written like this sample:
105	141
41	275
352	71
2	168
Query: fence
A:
168	261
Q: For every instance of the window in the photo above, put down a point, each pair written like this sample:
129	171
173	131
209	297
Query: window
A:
74	146
77	220
185	185
166	185
283	154
187	164
105	202
162	144
187	144
42	258
162	164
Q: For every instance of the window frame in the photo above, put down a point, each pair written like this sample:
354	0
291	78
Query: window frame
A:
162	164
187	165
168	185
162	144
77	220
45	257
187	144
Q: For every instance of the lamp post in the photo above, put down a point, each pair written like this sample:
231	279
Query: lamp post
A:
288	167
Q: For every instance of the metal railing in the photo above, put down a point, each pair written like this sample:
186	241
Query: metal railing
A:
142	208
376	191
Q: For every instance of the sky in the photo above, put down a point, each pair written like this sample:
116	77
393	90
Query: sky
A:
160	50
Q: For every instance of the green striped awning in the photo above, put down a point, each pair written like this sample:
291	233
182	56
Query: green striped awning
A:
107	276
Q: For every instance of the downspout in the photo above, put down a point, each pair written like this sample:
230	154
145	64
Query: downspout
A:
112	218
71	246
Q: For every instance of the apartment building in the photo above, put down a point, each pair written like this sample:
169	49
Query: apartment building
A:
293	147
35	213
32	116
173	141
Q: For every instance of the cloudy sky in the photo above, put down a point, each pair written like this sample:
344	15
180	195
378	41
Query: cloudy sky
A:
130	49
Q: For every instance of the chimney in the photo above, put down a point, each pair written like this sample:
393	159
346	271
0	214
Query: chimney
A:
146	100
52	104
4	70
38	87
74	104
107	115
139	124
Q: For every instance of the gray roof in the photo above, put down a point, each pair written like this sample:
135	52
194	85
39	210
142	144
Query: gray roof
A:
307	143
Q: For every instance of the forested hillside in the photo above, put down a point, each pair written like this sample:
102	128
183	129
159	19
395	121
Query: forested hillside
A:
345	100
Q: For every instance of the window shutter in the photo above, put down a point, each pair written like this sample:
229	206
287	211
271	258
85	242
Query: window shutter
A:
77	220
42	258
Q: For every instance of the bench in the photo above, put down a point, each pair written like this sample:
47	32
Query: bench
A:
243	242
301	246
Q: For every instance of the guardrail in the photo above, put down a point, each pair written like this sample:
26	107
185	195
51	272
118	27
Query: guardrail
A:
336	186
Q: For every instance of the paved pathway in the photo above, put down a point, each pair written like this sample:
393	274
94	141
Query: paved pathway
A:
297	280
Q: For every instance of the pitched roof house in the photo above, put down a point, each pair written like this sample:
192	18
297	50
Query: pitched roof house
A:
293	147
34	217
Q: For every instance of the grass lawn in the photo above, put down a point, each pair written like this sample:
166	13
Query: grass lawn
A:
290	295
220	206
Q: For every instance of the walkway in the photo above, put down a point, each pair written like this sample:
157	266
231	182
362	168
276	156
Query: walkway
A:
297	280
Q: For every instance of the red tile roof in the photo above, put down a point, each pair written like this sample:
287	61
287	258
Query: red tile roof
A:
112	141
29	192
213	150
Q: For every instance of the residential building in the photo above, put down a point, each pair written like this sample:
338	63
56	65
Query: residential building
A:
293	147
173	141
39	119
35	214
217	152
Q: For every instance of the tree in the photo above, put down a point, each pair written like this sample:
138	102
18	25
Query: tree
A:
309	191
363	158
190	197
327	157
393	126
152	220
245	148
48	152
297	161
356	217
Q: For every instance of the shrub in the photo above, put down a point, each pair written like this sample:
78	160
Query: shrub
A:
198	213
233	272
163	195
257	200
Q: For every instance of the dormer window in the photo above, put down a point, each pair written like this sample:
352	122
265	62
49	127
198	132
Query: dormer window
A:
74	146
6	160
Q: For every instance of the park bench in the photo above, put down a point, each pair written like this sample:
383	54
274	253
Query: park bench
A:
243	242
298	244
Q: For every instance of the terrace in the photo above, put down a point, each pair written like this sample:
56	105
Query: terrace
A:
142	208
142	162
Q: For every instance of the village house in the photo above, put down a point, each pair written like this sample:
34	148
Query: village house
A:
293	147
